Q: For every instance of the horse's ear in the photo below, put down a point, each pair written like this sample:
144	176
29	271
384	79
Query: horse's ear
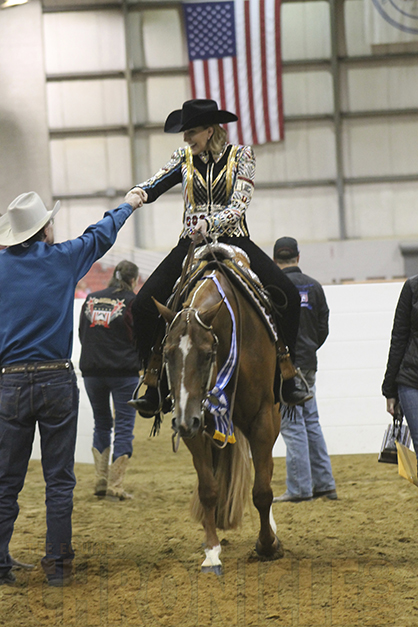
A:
164	311
208	316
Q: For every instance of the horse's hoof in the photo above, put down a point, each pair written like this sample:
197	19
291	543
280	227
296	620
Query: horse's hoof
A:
273	552
212	569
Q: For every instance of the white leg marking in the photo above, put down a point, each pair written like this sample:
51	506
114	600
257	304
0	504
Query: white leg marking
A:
212	556
272	521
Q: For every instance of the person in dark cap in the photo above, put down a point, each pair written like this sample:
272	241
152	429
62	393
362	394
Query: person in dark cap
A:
308	466
218	182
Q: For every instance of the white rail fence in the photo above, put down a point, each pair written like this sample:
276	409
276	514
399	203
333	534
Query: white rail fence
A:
351	368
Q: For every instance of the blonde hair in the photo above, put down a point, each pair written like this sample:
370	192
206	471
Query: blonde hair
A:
218	139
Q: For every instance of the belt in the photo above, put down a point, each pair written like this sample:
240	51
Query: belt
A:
37	366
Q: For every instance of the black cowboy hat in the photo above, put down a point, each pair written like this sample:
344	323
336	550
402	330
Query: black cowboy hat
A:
197	113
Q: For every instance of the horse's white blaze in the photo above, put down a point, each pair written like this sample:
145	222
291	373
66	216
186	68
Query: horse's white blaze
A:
184	346
272	521
212	556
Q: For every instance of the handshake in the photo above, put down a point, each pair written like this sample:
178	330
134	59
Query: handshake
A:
136	197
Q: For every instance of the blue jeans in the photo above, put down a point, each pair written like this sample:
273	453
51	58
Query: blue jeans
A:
408	398
99	390
51	399
308	466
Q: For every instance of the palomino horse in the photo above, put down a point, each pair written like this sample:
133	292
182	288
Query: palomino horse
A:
196	347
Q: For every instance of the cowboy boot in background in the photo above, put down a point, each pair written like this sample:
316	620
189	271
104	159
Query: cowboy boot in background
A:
115	491
101	465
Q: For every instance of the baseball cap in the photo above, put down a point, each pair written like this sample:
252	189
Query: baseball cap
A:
285	248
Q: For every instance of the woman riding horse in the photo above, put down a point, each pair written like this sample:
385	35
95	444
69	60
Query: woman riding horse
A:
218	182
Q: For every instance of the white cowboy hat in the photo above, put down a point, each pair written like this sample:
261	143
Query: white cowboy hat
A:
25	216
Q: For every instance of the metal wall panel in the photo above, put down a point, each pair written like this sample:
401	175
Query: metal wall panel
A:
85	164
24	153
307	93
339	90
76	215
161	147
355	28
163	39
392	86
309	214
84	42
164	94
385	210
305	32
381	147
75	104
307	153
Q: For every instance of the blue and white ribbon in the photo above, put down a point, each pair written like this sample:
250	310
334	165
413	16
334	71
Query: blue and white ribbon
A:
217	402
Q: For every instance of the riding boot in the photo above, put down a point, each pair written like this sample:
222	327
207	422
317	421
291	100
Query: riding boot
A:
115	491
290	386
101	465
294	391
149	404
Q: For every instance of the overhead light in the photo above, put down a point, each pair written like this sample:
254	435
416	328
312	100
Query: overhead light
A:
12	3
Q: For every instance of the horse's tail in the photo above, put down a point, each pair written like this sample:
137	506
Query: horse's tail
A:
232	470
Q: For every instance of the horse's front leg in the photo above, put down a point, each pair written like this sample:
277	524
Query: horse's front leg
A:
262	438
201	450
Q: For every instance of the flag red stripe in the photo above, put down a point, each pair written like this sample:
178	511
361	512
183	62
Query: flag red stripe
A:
192	80
206	76
237	100
279	68
263	44
249	70
222	83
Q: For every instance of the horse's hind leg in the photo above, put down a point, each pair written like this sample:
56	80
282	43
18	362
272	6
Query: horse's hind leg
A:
262	437
201	450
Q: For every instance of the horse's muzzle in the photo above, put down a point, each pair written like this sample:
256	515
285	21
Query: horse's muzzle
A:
187	429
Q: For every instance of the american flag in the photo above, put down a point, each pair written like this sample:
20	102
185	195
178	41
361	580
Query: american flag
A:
234	58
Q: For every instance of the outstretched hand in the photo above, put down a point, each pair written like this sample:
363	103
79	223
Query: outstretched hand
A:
136	197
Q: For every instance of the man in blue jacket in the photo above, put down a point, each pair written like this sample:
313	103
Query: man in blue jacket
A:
37	380
308	466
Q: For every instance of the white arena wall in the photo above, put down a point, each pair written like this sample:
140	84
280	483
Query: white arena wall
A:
351	368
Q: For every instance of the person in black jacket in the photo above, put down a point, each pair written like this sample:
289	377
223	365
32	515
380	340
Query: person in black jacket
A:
308	466
110	367
400	383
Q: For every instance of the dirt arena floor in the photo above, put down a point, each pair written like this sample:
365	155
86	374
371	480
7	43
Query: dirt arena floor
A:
347	563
